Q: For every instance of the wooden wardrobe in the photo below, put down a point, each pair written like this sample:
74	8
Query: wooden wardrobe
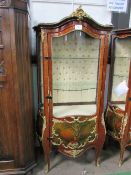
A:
16	116
72	60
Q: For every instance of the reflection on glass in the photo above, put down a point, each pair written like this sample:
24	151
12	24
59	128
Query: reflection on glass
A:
75	66
121	69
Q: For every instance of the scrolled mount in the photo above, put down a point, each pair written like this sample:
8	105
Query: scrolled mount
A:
80	13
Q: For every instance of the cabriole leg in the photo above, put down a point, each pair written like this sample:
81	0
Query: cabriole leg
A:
46	149
100	142
122	149
98	152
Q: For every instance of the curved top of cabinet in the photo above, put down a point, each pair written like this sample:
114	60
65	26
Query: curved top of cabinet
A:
122	31
80	16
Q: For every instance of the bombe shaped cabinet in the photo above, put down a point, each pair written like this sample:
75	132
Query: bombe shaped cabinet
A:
72	59
118	113
16	117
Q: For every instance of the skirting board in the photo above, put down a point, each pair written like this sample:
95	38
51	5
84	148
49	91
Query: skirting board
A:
19	171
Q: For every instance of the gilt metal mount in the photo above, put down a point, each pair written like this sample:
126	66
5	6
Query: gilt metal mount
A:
79	13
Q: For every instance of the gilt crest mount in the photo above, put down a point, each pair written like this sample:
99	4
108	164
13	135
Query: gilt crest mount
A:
79	13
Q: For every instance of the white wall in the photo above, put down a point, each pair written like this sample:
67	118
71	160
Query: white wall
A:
130	20
54	10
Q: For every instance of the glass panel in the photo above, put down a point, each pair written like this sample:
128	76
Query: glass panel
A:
121	69
75	66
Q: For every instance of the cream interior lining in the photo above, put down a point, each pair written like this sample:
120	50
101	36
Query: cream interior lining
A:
75	67
61	111
121	106
121	65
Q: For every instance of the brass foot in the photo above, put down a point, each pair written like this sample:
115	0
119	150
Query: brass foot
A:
97	162
120	163
46	169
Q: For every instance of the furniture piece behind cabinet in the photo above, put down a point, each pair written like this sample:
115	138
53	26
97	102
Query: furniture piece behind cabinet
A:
72	59
16	120
118	113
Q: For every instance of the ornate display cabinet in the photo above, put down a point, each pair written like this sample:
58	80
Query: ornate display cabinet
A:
118	113
16	120
72	59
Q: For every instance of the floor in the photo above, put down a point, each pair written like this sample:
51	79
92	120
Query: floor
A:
85	165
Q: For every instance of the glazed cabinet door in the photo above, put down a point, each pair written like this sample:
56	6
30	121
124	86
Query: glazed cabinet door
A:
119	107
74	80
120	72
75	68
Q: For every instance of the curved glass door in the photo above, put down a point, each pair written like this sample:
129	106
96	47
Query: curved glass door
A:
122	58
75	60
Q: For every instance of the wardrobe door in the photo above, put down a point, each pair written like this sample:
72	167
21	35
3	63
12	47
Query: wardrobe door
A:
6	92
16	110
